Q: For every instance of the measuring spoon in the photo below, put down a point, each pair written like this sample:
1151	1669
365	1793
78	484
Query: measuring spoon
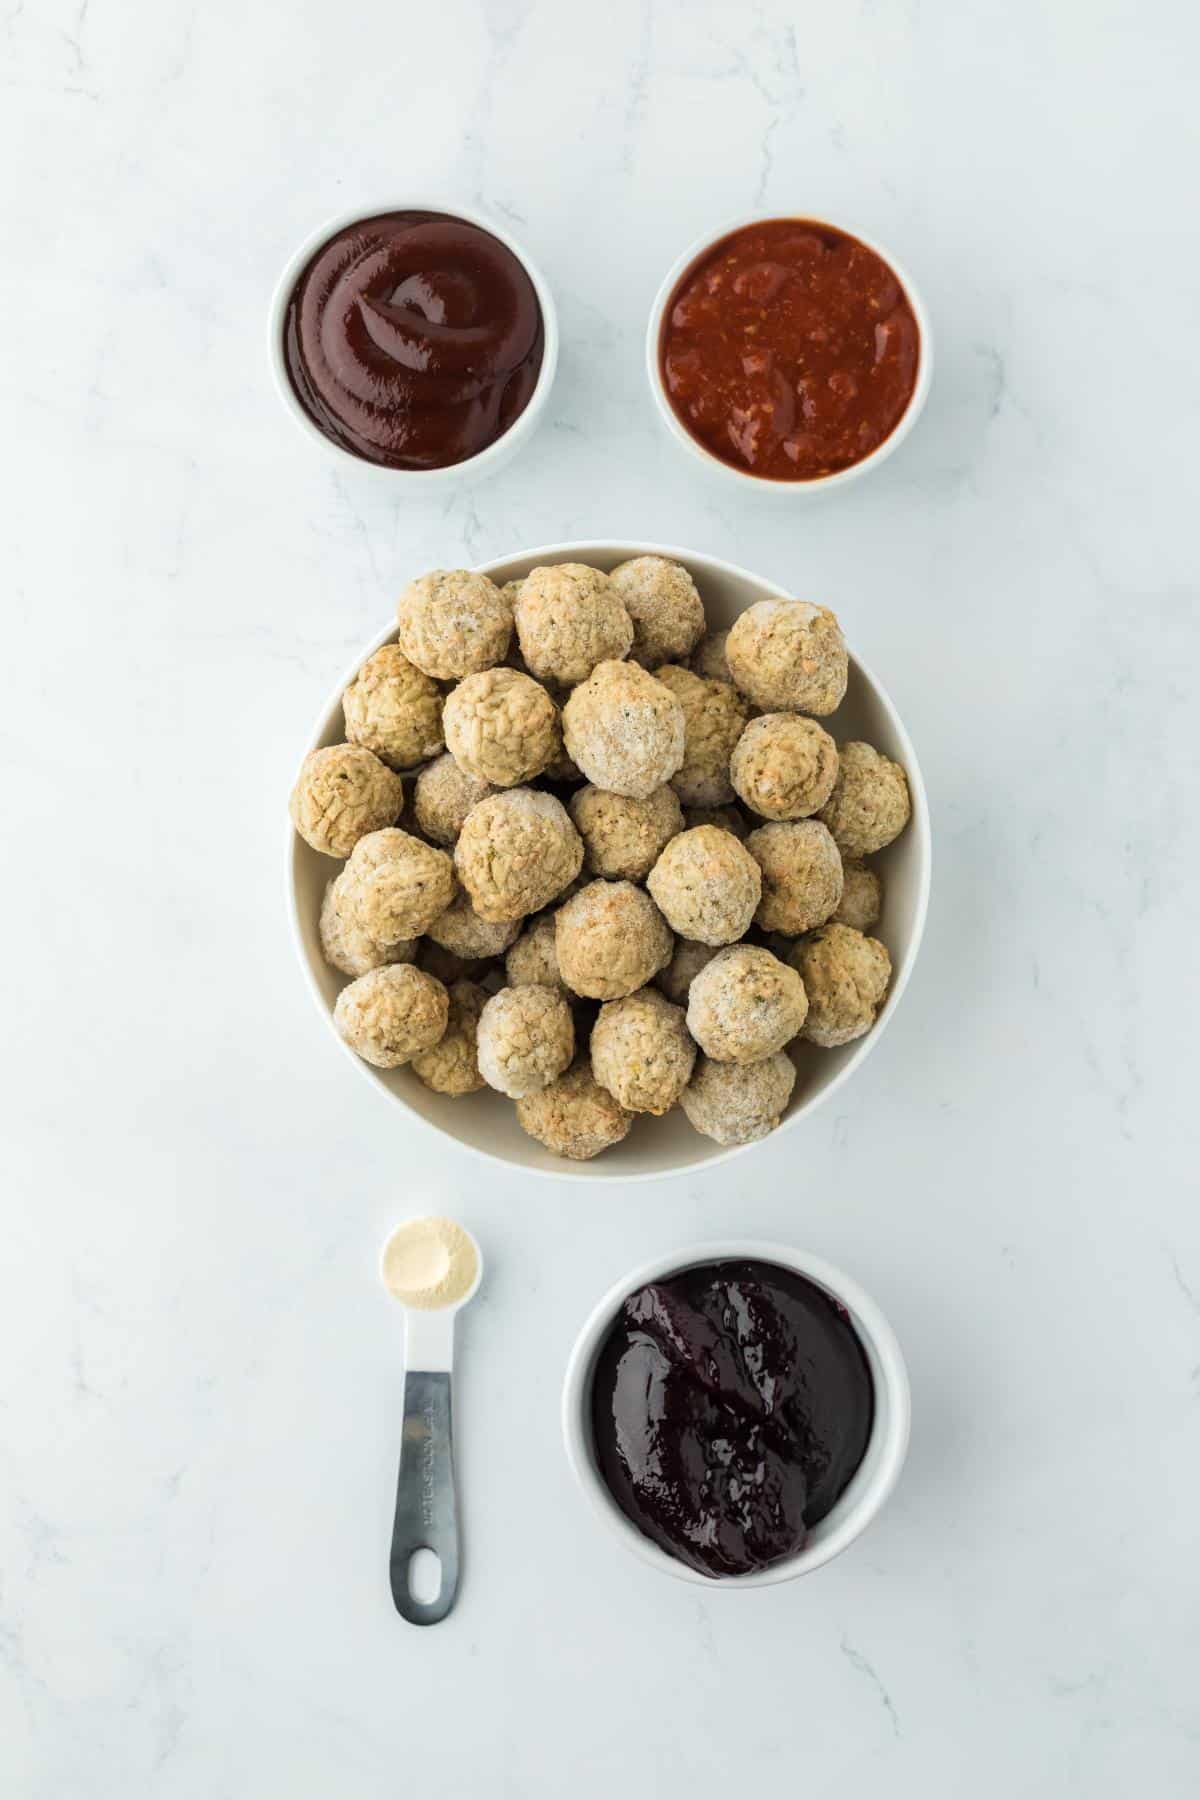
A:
426	1504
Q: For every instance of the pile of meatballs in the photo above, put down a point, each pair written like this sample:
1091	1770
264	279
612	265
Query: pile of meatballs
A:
628	867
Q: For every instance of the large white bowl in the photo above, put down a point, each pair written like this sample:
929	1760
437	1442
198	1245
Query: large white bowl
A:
872	1481
486	1123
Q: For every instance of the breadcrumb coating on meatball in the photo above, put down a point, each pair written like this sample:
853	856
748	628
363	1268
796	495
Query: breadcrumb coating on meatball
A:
516	852
789	656
714	717
709	660
533	960
610	938
706	885
461	930
394	709
623	838
870	805
745	1004
689	958
568	619
574	1117
342	793
453	622
801	875
784	766
667	612
452	1067
502	727
443	795
625	730
346	946
641	1051
846	976
737	1103
390	1015
526	1039
862	897
396	885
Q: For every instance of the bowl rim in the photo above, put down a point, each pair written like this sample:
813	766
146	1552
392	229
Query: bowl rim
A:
493	454
595	1172
763	484
890	1430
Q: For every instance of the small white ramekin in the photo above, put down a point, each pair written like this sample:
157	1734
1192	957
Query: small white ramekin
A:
486	461
876	1475
761	484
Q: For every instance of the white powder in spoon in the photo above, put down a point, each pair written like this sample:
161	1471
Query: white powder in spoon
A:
429	1263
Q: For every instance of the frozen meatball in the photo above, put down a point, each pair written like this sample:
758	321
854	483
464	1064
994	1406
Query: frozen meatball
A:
709	660
341	794
784	766
689	958
728	818
574	1116
641	1051
396	885
623	838
391	1015
846	976
745	1005
869	805
453	622
394	709
516	852
736	1103
789	656
526	1039
667	612
555	689
346	945
533	959
862	897
452	1066
625	730
706	885
461	930
443	795
569	618
502	727
714	717
610	939
801	876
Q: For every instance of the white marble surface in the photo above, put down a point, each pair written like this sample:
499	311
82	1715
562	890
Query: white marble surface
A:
199	1386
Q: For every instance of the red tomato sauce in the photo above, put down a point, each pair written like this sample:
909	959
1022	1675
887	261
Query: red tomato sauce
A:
789	350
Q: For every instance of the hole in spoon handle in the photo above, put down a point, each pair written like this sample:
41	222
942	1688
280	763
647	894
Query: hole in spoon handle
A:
426	1509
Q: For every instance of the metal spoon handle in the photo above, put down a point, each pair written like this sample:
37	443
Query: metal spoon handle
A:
426	1508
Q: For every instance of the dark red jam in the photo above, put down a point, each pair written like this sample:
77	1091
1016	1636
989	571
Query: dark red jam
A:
413	339
731	1406
789	350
